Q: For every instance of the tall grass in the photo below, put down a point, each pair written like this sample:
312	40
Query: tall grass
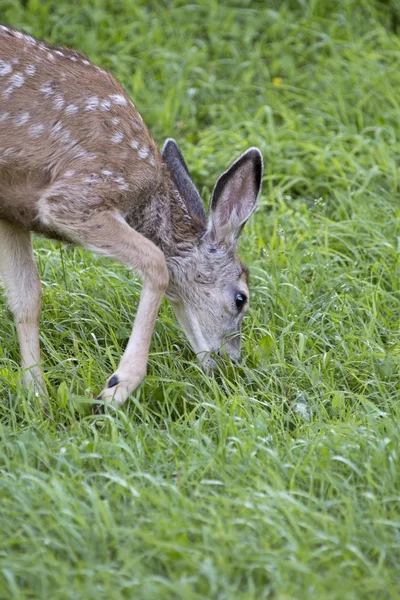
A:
276	479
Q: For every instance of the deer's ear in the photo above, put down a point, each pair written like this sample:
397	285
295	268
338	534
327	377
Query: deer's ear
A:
235	197
173	158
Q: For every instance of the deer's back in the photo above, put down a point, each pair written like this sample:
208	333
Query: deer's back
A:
64	120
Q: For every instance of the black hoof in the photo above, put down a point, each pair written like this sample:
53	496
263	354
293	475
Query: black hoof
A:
113	381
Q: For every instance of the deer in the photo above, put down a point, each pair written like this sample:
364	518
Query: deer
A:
78	164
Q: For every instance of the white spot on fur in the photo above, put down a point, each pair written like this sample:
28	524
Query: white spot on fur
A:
8	91
93	178
105	105
117	137
122	183
66	138
152	161
5	68
119	99
115	120
106	172
92	103
30	70
59	52
36	130
134	144
69	173
56	129
30	40
17	80
71	109
59	101
86	62
46	89
4	28
4	116
143	153
51	57
15	61
21	119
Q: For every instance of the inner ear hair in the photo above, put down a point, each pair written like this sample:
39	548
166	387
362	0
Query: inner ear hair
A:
235	196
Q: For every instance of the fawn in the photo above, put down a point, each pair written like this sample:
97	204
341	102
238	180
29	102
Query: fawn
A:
78	164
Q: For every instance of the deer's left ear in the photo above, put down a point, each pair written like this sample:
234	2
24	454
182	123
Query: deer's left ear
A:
173	158
235	197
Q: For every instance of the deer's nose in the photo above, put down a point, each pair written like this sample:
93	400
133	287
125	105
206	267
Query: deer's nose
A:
235	357
233	353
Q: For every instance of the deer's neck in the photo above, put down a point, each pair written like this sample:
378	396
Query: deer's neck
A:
165	219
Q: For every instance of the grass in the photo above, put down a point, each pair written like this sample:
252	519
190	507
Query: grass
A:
279	479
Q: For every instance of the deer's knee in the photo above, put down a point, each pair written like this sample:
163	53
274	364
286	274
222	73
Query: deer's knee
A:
157	273
162	276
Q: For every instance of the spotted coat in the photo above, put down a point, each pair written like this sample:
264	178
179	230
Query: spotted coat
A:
70	134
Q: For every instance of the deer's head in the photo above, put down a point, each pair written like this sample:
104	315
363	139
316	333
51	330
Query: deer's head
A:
209	287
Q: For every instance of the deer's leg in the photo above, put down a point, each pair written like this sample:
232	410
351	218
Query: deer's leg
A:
109	234
19	273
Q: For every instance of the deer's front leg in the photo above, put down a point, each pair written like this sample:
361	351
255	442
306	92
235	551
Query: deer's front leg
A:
132	367
117	239
109	234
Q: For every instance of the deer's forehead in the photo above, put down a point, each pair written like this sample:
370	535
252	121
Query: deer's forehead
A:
223	267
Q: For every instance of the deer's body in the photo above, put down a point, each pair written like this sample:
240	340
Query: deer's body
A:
69	132
77	163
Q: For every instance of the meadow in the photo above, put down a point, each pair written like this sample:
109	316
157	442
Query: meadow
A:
276	479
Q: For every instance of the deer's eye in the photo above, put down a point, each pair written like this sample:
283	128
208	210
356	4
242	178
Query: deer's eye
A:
240	301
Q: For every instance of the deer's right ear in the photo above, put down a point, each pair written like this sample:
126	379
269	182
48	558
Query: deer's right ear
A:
173	158
235	197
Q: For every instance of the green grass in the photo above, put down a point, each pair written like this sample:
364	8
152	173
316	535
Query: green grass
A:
279	479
